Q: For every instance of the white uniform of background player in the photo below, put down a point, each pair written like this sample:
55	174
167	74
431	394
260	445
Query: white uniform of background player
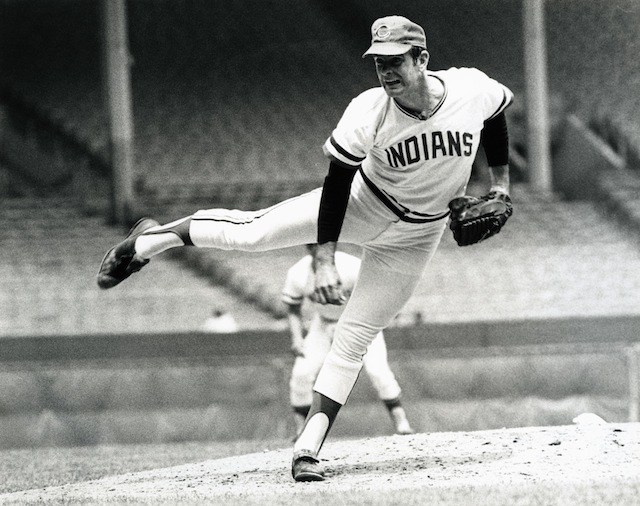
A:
311	350
408	146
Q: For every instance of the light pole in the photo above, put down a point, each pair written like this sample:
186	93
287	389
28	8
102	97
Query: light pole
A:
537	99
117	87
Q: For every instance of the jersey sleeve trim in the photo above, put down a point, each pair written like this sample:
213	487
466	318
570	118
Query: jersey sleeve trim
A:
342	154
507	98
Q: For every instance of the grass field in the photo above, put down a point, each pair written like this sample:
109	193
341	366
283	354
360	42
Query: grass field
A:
578	464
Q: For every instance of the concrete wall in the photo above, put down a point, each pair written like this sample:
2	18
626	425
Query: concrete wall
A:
147	388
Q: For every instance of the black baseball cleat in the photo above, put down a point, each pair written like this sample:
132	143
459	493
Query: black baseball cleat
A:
306	467
121	260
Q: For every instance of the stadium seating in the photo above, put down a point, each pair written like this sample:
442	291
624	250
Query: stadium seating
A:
548	265
554	259
47	280
215	100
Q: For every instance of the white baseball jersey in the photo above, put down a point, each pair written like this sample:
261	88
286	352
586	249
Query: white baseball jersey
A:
299	283
415	164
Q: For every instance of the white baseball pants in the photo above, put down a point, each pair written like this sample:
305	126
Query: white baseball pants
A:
317	344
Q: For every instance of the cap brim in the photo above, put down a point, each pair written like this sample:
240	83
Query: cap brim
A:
387	49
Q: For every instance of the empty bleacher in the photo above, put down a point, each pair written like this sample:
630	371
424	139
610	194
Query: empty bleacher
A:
214	100
47	280
554	259
223	96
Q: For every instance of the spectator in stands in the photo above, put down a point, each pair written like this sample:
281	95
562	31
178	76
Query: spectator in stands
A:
220	321
311	350
400	153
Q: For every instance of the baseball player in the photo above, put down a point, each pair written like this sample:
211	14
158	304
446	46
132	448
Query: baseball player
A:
398	158
310	350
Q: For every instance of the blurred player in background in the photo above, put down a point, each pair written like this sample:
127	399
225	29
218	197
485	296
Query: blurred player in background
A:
400	154
311	350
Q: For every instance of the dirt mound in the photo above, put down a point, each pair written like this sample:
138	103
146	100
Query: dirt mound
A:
581	464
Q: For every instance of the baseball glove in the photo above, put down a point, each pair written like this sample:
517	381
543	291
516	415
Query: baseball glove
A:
474	219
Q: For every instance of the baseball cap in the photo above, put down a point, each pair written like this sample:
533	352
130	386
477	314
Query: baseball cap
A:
393	35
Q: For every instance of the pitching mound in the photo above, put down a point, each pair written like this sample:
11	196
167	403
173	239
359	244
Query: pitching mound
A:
582	464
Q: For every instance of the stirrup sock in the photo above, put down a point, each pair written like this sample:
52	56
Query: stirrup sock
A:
158	239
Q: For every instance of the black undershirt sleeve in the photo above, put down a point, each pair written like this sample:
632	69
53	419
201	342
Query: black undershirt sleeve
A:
495	140
333	202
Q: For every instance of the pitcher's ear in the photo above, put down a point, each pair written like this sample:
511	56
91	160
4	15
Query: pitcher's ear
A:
424	57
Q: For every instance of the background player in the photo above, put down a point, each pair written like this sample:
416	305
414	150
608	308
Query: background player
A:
398	156
311	350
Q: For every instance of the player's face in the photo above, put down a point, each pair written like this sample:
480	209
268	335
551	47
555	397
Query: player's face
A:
398	73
